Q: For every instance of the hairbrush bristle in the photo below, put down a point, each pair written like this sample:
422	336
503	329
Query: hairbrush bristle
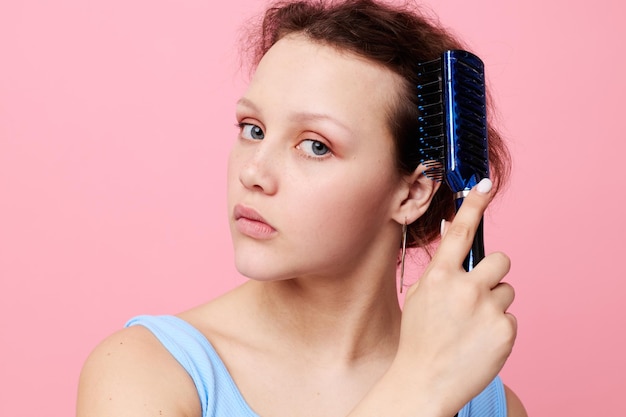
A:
453	126
431	119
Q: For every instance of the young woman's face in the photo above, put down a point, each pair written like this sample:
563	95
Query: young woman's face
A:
312	181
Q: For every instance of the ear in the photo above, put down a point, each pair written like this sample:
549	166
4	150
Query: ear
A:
414	196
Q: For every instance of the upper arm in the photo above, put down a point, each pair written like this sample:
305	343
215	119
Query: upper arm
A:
514	406
130	374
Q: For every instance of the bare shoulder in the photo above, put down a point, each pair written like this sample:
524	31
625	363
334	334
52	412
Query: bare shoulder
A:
131	374
514	405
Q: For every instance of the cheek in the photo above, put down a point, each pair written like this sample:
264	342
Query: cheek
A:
346	205
335	229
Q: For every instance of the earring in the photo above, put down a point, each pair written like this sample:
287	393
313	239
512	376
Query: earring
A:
404	231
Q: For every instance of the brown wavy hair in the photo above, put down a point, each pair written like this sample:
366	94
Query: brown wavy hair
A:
398	38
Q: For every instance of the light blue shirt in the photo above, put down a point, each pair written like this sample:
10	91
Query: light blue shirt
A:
220	397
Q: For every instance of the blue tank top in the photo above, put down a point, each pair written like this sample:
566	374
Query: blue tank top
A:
220	397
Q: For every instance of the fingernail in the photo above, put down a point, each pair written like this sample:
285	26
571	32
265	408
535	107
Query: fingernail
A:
443	227
484	186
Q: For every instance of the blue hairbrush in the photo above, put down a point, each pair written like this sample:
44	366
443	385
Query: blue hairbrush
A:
453	129
453	132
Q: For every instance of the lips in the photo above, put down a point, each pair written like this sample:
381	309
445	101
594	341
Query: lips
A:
250	223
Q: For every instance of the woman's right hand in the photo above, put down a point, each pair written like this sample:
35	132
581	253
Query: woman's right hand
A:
456	332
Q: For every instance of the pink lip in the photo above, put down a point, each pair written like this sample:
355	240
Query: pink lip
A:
250	223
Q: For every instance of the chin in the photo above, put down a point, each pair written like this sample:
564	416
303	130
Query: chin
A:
259	270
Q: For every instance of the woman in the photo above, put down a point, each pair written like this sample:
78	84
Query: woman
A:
321	182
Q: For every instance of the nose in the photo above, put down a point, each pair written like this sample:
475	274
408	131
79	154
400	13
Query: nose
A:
259	170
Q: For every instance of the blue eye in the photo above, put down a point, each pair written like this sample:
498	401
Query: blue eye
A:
314	147
250	131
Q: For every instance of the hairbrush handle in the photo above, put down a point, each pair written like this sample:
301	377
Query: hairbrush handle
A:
477	251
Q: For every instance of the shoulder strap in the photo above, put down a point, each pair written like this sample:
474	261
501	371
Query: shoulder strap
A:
489	403
218	393
188	346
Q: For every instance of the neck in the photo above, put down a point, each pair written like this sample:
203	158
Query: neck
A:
332	319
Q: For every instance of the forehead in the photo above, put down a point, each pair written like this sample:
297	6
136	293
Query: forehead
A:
304	75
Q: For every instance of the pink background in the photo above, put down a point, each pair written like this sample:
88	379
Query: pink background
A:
115	121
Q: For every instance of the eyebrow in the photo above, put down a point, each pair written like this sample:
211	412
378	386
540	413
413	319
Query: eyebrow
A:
299	116
247	103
